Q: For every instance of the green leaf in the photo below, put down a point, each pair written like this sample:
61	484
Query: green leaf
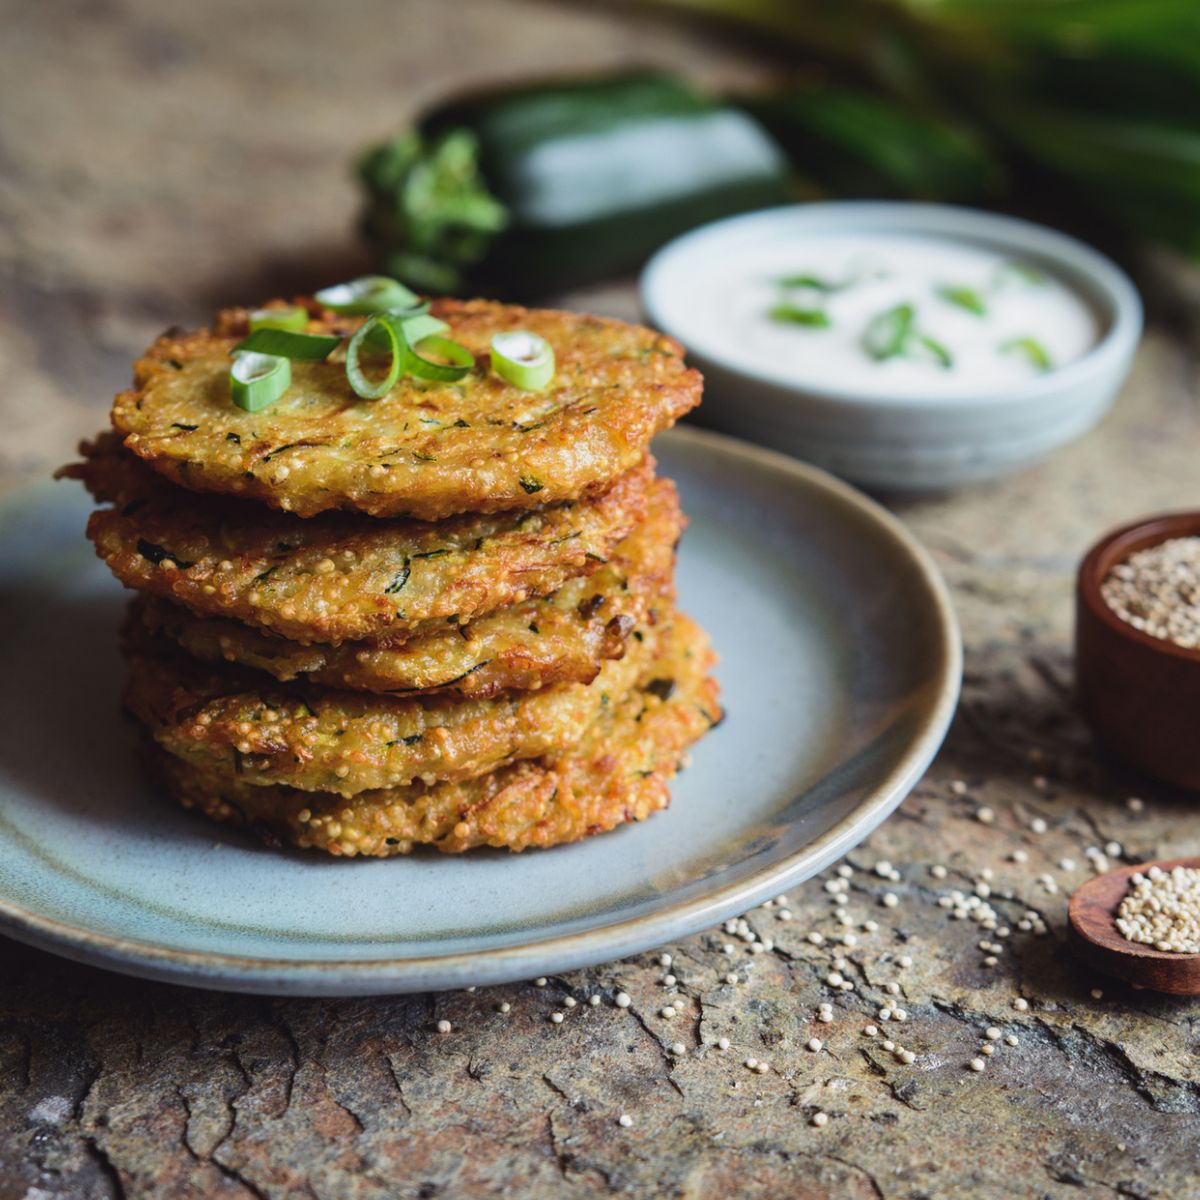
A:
964	297
816	283
888	334
1017	272
933	349
790	314
1032	349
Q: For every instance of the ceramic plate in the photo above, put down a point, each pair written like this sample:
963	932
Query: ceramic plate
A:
840	666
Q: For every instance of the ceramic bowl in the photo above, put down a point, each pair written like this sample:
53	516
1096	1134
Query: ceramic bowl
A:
1140	694
892	442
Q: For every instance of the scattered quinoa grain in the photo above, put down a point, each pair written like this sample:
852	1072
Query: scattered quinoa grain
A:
444	1026
820	1119
625	1120
977	1064
622	1000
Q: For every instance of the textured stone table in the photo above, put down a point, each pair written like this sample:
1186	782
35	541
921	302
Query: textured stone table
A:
160	159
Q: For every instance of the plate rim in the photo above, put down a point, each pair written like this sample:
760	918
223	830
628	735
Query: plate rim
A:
564	952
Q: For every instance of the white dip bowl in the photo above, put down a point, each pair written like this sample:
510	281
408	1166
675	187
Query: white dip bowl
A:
884	430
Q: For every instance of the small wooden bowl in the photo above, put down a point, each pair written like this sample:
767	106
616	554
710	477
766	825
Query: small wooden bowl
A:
1098	941
1140	694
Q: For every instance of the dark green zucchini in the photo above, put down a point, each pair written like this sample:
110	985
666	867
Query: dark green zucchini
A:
529	189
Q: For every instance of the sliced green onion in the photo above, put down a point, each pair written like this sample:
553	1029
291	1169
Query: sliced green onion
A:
292	318
257	380
376	329
1032	349
964	297
370	294
1015	271
791	314
932	348
815	283
888	334
412	329
283	343
417	328
523	359
461	360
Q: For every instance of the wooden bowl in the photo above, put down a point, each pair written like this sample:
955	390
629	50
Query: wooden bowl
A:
1098	941
1140	694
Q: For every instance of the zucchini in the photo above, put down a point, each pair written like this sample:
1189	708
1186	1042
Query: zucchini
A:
529	189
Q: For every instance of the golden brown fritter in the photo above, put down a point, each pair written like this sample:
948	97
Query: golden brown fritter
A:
318	739
424	450
562	638
618	773
340	577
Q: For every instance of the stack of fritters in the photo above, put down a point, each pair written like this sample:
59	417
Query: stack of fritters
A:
445	616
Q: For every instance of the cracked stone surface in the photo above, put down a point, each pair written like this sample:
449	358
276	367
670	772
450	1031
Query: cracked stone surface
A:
163	159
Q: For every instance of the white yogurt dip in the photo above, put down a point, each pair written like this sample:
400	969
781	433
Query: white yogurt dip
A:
1031	322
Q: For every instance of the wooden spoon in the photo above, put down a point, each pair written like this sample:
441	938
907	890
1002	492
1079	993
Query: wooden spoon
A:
1096	938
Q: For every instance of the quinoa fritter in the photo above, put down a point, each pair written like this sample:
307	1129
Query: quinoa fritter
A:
423	450
562	638
339	577
618	773
318	739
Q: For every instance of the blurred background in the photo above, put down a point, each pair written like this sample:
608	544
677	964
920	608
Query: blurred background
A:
158	161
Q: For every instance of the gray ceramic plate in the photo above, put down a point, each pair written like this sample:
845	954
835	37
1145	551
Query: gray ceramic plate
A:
840	669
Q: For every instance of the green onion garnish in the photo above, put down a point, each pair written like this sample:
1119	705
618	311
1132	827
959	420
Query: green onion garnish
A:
1032	349
293	318
1017	272
460	359
815	283
379	330
411	330
964	297
284	343
257	380
523	359
791	314
894	334
888	334
370	294
933	349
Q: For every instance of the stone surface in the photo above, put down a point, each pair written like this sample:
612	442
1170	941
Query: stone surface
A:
160	159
